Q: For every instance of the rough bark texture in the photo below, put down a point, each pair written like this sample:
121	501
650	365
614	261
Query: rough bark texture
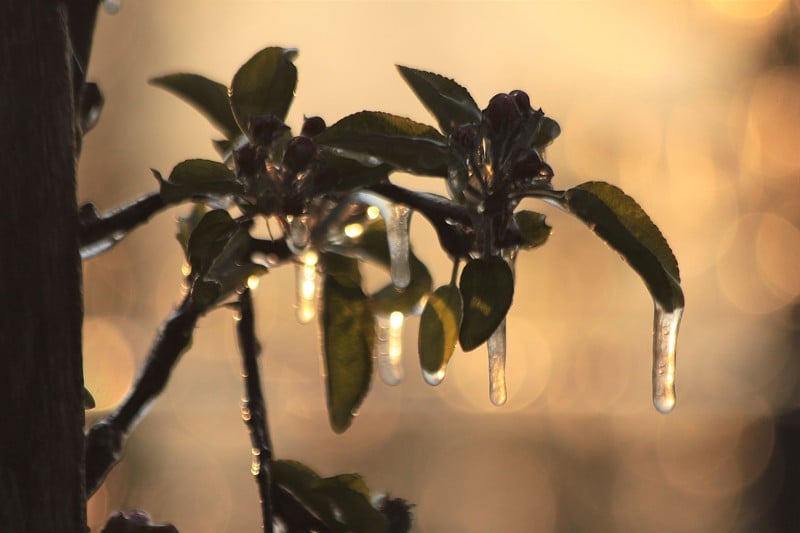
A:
41	414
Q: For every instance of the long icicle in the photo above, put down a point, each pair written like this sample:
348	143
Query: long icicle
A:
496	346
306	287
665	335
389	347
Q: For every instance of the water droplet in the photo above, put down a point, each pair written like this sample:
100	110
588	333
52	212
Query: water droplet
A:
112	7
373	212
246	414
186	269
389	347
353	230
255	466
497	365
252	282
306	287
665	337
434	378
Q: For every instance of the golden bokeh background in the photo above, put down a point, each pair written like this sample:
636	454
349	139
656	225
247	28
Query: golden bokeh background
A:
693	108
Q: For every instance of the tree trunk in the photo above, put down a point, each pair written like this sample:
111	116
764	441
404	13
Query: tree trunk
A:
41	379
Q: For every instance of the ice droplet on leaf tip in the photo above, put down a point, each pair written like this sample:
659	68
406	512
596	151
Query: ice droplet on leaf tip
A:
665	336
434	378
112	7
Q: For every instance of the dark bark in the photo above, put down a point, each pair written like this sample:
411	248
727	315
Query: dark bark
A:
41	379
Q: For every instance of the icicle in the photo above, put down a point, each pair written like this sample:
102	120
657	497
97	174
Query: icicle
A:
397	237
396	217
665	335
497	346
112	7
98	247
306	287
497	365
433	378
299	234
389	347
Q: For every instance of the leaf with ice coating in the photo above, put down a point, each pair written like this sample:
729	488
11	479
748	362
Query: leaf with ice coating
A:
197	178
373	137
348	335
264	84
617	219
450	103
438	331
207	96
487	289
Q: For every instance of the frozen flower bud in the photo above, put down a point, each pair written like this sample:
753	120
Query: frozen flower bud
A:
246	160
522	100
531	168
502	112
299	153
313	126
264	129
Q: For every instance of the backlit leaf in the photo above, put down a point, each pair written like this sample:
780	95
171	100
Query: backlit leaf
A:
207	96
197	178
617	219
265	84
439	328
487	289
449	102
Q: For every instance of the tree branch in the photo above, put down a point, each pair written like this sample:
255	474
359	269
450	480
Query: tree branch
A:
254	411
116	224
104	440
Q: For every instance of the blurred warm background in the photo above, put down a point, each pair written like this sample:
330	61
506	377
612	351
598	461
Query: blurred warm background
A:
692	107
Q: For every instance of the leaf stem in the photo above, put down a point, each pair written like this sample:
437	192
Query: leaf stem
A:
254	411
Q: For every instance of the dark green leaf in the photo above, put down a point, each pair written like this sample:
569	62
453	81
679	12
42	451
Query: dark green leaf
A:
265	84
186	225
208	239
348	336
207	96
88	399
449	102
533	228
617	219
372	138
197	178
351	481
546	133
439	328
487	289
355	175
355	511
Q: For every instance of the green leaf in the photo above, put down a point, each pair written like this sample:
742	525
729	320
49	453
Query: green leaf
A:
197	178
547	132
533	228
348	336
207	96
353	507
264	84
88	399
373	137
449	102
439	328
487	289
208	240
617	219
186	225
355	175
341	502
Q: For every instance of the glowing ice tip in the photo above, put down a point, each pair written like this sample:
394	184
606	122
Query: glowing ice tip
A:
353	230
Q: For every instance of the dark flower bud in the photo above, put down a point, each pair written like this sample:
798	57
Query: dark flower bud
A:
247	160
530	167
397	512
264	129
325	179
502	112
313	126
298	153
522	100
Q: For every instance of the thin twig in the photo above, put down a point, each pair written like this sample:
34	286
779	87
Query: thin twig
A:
104	440
254	411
